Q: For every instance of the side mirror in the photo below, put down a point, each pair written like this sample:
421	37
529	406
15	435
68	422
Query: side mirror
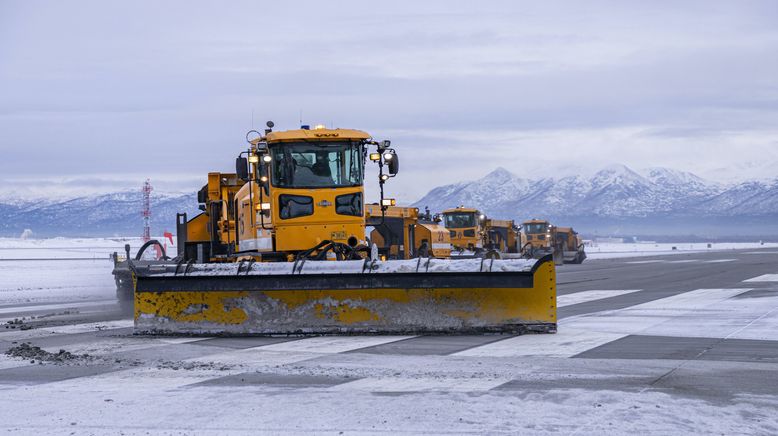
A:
242	168
393	164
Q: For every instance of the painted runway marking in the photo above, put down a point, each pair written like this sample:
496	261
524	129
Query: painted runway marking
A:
638	262
764	278
122	344
585	296
685	314
708	313
236	361
91	327
65	329
42	307
329	344
566	342
401	384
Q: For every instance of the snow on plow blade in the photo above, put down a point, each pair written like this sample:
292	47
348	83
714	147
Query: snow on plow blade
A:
347	297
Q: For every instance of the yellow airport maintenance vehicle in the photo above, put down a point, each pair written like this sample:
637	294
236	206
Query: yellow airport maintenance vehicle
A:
541	238
463	225
570	244
403	233
473	234
280	248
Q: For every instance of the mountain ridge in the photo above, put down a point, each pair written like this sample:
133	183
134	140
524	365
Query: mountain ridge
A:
614	199
617	197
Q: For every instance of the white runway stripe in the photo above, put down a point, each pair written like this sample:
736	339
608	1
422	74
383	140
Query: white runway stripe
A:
421	384
332	344
685	314
122	344
91	327
584	296
566	342
297	350
231	362
41	307
8	334
638	262
764	278
699	313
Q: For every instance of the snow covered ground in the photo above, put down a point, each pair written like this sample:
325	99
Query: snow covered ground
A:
596	250
59	269
73	269
66	248
531	384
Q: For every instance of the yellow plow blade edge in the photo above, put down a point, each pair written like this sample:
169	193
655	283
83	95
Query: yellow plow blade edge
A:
224	300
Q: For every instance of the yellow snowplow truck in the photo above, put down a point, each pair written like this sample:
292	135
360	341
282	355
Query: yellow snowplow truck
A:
403	233
280	248
541	238
473	234
570	245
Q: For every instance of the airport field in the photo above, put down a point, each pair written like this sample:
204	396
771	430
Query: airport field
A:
663	342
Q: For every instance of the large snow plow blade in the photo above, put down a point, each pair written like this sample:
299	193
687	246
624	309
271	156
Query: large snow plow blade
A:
347	297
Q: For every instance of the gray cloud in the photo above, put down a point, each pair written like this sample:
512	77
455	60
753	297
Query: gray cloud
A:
152	89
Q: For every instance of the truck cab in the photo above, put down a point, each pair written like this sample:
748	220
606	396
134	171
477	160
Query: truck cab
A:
464	226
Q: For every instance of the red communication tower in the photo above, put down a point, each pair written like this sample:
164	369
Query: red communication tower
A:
146	212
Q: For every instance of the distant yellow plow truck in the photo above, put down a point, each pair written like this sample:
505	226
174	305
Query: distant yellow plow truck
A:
280	248
403	233
540	238
473	234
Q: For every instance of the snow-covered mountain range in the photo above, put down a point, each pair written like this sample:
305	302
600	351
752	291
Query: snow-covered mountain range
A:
614	200
111	214
619	199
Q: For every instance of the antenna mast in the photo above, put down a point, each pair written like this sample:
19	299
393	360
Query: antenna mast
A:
146	212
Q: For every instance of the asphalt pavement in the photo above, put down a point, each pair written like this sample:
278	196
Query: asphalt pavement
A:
695	332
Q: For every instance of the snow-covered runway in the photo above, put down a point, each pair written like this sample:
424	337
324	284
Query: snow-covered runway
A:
652	347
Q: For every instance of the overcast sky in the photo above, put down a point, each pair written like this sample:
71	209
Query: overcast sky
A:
96	96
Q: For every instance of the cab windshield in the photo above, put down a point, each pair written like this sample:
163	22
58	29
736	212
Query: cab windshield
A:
317	165
460	220
535	228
